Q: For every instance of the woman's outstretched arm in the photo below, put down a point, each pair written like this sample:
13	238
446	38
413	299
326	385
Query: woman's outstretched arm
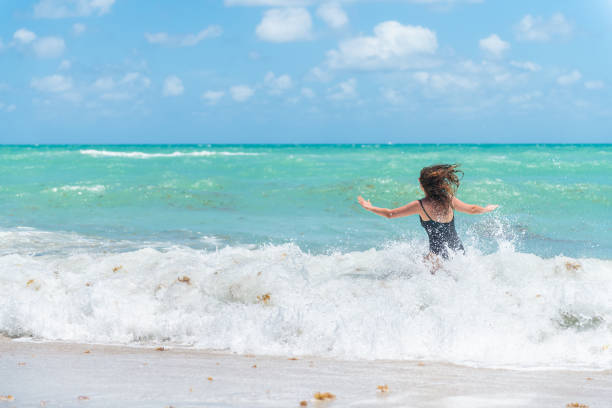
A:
408	209
472	208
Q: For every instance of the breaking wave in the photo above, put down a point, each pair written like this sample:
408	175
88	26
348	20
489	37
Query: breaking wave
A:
506	309
141	155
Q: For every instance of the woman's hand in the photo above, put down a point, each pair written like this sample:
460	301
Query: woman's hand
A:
365	203
490	207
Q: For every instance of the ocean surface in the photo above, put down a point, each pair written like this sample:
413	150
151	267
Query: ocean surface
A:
264	249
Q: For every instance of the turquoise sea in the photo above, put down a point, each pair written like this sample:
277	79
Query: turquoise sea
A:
554	199
95	242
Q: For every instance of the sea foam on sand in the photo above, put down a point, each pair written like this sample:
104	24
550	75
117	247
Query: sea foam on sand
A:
63	374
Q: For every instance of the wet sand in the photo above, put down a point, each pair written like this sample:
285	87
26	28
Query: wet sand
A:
66	375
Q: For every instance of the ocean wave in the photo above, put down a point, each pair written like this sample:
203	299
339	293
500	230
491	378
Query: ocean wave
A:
506	309
142	155
98	188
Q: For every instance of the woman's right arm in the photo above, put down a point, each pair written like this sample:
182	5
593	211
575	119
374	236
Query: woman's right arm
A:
472	208
408	209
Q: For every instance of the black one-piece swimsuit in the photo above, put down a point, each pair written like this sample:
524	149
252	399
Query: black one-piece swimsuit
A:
442	235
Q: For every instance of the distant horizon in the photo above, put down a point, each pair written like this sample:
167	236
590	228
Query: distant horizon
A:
302	144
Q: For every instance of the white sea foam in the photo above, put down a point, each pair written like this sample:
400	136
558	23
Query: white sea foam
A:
141	155
504	309
92	189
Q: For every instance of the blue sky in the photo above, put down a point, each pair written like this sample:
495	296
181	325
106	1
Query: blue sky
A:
305	71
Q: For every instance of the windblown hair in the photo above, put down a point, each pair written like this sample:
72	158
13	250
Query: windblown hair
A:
440	183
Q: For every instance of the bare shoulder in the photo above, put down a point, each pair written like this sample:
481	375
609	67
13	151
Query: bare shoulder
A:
408	209
460	205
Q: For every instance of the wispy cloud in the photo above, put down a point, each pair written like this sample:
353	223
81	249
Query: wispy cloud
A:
333	14
186	40
537	28
173	86
241	93
71	8
52	83
570	78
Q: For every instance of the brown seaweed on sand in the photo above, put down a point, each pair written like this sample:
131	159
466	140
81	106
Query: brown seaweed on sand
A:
160	349
185	279
117	268
383	388
265	298
303	403
82	398
7	398
324	396
576	405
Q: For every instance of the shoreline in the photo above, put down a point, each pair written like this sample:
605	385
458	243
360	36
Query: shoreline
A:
68	374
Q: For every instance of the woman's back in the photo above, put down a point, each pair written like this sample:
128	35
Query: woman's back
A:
441	229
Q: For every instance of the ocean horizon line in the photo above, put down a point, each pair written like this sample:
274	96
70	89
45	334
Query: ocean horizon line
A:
290	144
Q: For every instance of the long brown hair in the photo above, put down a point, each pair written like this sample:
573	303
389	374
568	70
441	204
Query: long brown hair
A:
440	183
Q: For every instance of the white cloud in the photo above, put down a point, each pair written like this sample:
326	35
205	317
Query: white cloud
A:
442	4
526	65
273	3
7	108
308	93
71	8
78	28
24	36
570	78
332	14
64	65
592	85
187	40
392	96
494	45
443	82
49	47
393	46
127	87
241	93
45	47
285	25
136	79
212	97
317	74
104	84
525	98
52	83
344	90
532	28
173	86
277	85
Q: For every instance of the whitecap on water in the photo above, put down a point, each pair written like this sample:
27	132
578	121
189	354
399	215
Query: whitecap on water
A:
507	308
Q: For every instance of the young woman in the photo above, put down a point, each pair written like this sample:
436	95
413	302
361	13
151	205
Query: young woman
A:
439	183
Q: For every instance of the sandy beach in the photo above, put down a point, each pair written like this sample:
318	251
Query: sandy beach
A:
65	375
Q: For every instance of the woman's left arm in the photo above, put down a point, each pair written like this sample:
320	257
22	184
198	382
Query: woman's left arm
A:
408	209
